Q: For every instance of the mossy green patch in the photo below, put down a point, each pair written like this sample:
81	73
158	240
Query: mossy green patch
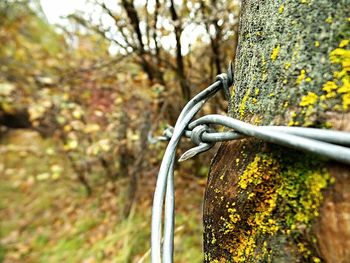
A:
279	196
242	107
269	219
291	60
2	253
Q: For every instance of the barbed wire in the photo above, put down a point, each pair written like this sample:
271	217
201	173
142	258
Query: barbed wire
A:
326	143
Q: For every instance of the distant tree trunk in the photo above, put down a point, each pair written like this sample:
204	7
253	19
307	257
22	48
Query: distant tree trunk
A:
211	17
216	37
82	171
265	203
180	66
138	163
144	57
155	36
123	153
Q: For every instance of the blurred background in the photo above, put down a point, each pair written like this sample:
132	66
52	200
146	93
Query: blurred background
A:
84	88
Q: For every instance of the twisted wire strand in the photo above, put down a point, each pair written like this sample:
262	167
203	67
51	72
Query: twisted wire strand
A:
331	136
317	141
166	173
327	136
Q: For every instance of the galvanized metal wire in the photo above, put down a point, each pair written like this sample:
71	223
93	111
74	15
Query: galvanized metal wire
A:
165	180
327	143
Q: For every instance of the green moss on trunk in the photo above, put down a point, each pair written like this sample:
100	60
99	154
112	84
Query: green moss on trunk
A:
292	64
266	203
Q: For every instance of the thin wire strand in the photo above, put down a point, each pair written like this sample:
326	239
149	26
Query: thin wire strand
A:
168	244
335	152
331	136
191	108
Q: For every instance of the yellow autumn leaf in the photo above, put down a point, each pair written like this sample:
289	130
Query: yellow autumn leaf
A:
90	128
6	89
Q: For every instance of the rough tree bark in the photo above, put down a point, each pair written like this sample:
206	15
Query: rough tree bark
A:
266	203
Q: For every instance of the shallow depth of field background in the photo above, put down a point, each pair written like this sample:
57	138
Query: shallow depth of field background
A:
84	88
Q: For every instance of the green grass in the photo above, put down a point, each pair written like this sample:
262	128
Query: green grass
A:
2	253
53	220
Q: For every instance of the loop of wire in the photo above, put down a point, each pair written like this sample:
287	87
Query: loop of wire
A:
330	144
196	137
196	134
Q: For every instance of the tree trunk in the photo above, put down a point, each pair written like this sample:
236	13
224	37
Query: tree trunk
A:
123	153
180	66
266	203
138	164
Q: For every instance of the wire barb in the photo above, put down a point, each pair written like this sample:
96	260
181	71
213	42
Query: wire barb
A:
196	137
227	80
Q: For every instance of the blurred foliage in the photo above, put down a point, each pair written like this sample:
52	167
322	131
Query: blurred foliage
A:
85	115
46	218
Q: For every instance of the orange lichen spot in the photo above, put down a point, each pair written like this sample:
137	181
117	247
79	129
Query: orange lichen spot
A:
301	76
287	65
329	86
293	116
291	123
257	120
301	248
341	56
243	103
329	20
251	195
260	169
281	9
346	101
344	43
264	76
309	99
275	52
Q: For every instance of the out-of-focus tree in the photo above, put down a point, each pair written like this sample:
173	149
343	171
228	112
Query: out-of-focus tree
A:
77	101
26	60
220	19
69	86
140	30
